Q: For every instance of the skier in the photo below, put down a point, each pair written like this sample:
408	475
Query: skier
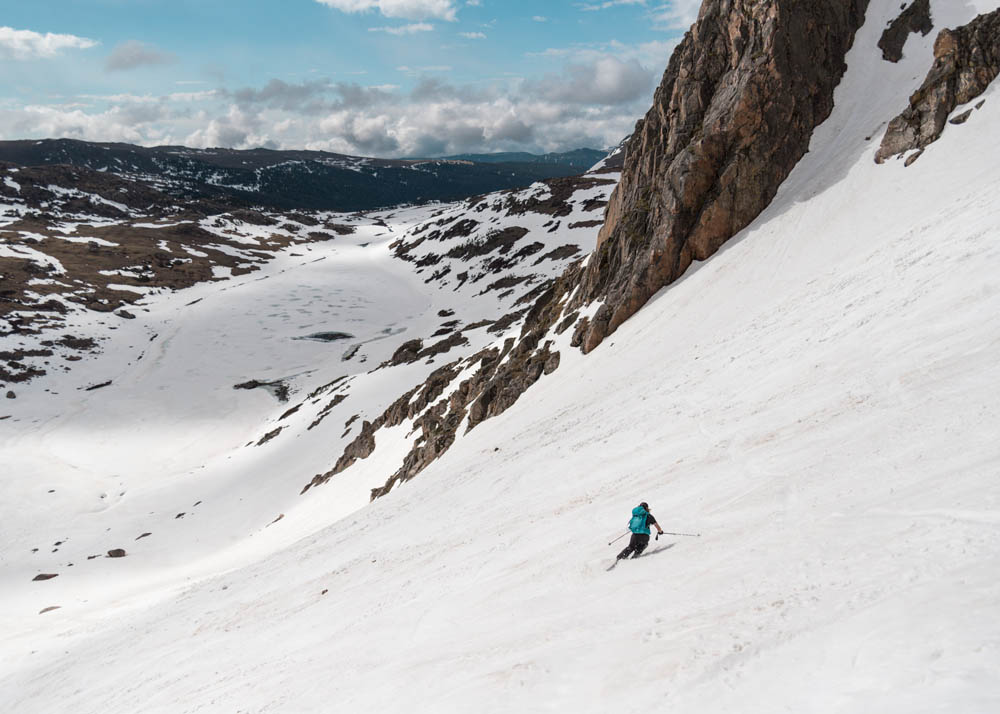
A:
642	519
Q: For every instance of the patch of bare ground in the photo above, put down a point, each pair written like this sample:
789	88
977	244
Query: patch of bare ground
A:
557	202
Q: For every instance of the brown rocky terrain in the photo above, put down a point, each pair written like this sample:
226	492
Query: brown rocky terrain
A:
76	239
966	61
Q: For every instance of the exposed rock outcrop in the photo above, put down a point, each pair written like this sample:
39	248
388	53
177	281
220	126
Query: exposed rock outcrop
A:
966	61
914	18
498	378
408	406
733	115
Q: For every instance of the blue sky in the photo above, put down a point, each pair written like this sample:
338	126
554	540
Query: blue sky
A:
370	77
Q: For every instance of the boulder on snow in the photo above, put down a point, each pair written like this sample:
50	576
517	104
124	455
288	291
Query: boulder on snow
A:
116	553
914	18
406	352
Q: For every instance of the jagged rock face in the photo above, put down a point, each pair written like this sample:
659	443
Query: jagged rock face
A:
915	18
966	61
733	115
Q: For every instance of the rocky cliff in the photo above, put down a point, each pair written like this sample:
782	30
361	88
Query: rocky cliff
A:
966	61
733	115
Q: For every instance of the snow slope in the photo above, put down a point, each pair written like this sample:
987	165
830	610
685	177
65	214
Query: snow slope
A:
149	448
819	401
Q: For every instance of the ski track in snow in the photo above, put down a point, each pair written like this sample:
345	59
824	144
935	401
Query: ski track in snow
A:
819	401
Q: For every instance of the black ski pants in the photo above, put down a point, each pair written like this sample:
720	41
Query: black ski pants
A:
636	544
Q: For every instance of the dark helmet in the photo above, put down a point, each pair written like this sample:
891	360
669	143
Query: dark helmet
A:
644	505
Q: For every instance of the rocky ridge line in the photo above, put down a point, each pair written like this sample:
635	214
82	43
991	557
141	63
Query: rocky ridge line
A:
966	61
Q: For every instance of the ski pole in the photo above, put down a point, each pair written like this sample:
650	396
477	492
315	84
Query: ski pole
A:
689	535
620	537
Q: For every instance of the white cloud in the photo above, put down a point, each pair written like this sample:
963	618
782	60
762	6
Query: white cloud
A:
473	35
26	44
539	18
192	96
405	9
652	55
594	100
404	29
607	80
442	120
132	54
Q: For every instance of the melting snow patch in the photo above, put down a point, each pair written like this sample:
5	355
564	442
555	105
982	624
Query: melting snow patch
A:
141	289
83	239
26	252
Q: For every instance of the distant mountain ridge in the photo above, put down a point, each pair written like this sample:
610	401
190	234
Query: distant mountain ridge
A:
582	159
286	180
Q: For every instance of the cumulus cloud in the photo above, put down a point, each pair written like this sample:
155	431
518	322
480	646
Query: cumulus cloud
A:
405	9
132	54
430	90
512	129
279	94
473	35
606	80
26	44
310	98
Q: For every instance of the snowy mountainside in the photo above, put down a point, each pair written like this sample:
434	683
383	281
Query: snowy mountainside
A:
300	351
818	401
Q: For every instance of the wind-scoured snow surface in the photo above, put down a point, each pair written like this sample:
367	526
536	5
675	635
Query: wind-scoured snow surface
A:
819	401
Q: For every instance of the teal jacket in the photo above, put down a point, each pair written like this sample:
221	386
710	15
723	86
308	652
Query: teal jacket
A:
638	522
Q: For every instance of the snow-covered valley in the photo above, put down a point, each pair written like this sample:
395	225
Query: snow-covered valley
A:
819	402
